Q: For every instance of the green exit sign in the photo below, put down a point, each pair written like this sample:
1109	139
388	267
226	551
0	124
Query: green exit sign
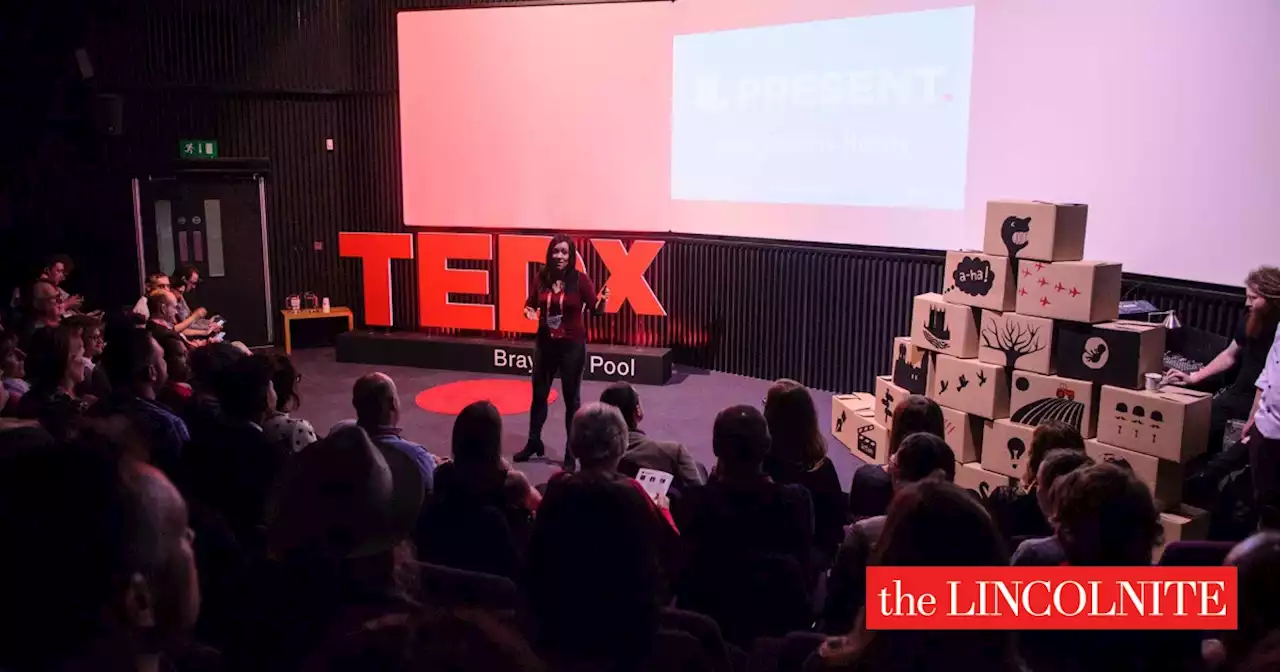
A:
198	149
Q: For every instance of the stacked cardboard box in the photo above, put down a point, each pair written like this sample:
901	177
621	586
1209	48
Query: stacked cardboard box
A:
1025	331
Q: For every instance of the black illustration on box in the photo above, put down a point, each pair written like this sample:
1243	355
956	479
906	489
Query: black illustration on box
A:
908	376
942	386
961	383
973	276
1139	421
840	421
984	490
1096	353
1017	448
888	401
936	331
1112	458
1016	233
1101	355
866	445
1061	406
1032	280
1013	338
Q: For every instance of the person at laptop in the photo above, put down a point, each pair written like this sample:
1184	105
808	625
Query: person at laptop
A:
1247	351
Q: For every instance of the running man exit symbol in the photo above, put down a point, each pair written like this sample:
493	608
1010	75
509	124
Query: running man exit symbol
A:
198	149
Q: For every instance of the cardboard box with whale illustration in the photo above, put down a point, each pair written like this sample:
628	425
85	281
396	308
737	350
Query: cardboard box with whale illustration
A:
1035	230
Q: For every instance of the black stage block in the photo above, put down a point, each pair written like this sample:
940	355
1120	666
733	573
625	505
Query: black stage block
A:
642	366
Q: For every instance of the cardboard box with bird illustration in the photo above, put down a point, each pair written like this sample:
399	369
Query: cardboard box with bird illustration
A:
971	386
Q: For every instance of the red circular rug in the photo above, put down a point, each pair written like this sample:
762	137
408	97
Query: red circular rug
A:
509	396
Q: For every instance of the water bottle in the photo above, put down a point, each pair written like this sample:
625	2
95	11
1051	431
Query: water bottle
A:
324	304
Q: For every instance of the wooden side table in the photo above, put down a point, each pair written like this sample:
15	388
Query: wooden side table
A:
312	314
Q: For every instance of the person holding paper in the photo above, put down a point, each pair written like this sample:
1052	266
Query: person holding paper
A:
560	298
644	452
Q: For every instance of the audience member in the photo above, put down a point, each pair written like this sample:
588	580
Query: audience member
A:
90	330
377	404
644	452
136	367
1257	562
56	271
155	282
740	526
230	465
55	369
920	456
290	432
190	323
99	576
435	639
931	523
337	535
208	365
798	454
45	310
12	370
594	584
1106	517
1047	551
481	512
1016	509
872	487
177	392
163	325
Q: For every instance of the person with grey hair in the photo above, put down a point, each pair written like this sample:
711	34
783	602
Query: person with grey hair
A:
598	438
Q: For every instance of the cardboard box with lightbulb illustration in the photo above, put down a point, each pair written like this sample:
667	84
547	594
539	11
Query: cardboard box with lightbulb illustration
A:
971	476
1006	447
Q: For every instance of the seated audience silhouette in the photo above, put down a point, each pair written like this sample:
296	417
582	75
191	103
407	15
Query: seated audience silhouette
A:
55	370
481	512
137	371
748	539
798	454
1015	509
872	488
1047	551
594	585
921	456
644	452
377	404
100	576
931	523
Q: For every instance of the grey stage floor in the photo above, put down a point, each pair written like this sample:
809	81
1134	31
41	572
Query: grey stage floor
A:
683	410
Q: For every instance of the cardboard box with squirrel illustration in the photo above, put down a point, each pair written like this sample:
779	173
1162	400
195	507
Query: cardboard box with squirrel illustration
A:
971	386
944	327
980	280
1035	230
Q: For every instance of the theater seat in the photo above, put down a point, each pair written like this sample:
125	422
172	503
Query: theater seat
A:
447	586
1196	553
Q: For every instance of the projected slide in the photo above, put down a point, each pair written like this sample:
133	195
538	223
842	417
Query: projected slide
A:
870	111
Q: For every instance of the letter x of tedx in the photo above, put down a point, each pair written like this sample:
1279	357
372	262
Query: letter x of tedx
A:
437	280
1051	598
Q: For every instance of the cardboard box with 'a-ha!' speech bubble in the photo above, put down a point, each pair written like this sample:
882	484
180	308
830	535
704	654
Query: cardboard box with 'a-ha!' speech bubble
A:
979	280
